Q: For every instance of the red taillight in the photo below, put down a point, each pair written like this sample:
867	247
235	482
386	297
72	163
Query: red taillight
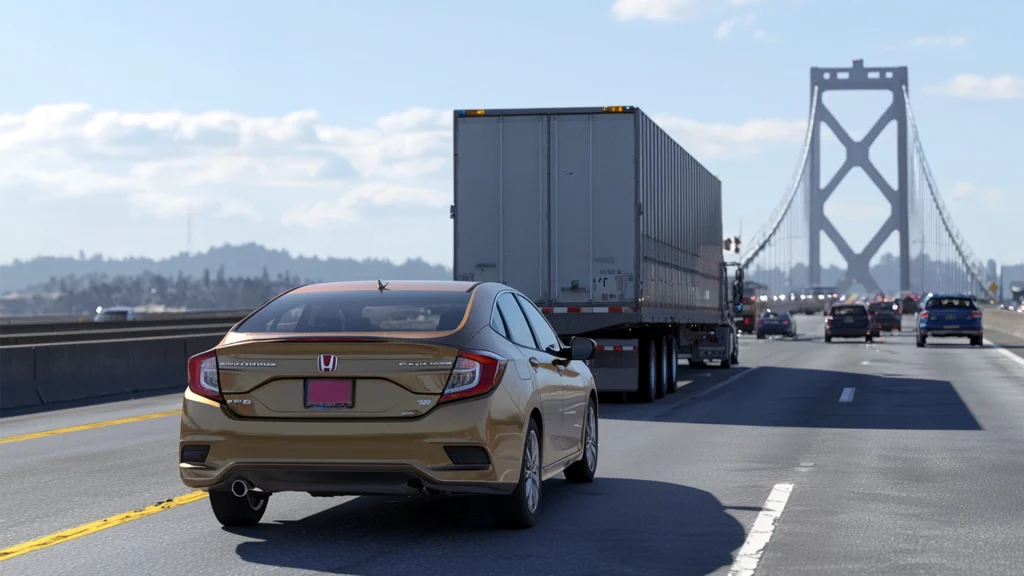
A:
474	374
785	322
203	377
828	319
924	314
746	320
976	314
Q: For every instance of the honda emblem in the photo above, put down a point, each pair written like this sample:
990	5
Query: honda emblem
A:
327	362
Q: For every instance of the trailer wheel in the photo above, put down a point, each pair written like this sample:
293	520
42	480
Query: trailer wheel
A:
660	344
672	357
647	388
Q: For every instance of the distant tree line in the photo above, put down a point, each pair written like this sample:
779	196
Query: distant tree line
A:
75	295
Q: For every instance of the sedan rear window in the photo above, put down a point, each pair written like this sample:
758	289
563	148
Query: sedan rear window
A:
849	311
360	311
954	302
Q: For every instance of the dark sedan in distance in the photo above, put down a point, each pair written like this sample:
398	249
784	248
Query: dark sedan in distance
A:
777	323
849	321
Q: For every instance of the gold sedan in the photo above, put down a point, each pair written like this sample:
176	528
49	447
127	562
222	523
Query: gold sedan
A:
373	388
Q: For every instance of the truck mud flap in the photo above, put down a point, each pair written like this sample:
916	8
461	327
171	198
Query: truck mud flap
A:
615	365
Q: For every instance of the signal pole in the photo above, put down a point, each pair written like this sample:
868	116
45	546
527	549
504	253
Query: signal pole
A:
188	228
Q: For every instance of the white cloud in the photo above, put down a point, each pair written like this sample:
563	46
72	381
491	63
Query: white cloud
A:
345	208
746	22
226	164
965	191
684	10
945	41
1003	87
670	10
659	10
719	139
165	162
725	28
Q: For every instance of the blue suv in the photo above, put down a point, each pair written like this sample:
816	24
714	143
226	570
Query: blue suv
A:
949	316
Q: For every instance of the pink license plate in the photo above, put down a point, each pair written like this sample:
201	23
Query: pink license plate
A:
325	393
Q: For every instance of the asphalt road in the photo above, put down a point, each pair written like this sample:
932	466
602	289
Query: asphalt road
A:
896	460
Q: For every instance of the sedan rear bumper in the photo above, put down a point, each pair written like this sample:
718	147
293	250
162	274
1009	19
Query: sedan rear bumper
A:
469	447
850	332
774	329
352	479
952	333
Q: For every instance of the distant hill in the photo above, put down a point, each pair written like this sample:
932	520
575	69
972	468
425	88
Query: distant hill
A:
246	260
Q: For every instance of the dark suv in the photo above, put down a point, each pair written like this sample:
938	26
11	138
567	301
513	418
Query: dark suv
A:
849	321
887	315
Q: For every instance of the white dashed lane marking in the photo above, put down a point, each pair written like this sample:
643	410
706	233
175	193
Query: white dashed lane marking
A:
761	533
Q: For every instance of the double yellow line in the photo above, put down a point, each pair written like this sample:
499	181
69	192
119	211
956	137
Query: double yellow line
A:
93	527
92	426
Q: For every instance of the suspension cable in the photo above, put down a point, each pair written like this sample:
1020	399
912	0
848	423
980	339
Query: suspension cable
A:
962	250
757	245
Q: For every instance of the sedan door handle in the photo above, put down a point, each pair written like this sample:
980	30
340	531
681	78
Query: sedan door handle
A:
534	362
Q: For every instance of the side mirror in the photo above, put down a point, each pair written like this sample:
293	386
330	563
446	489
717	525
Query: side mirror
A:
582	348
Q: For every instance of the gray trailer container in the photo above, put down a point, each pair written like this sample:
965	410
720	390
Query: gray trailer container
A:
606	223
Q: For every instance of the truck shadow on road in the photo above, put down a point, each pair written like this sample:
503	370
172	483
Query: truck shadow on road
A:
613	526
795	397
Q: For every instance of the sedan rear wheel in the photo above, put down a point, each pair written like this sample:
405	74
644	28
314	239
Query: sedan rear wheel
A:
232	511
521	508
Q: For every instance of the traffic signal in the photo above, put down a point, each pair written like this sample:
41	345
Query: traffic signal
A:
736	244
737	292
728	244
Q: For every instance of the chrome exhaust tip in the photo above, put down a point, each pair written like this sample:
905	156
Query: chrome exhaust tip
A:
240	488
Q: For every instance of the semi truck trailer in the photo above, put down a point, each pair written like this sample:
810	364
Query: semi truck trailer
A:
611	227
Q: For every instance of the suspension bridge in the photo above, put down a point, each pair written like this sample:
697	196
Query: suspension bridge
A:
785	254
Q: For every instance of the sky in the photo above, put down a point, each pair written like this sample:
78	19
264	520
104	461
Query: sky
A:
324	127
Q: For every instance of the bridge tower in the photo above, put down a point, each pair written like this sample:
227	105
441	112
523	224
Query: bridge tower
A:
858	266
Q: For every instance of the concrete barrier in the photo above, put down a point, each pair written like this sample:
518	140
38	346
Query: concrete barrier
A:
17	379
1004	321
55	375
10	327
129	333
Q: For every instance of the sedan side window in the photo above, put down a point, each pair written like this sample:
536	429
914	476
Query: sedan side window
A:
546	337
497	324
518	327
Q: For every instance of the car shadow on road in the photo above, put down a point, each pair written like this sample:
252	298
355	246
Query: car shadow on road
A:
613	526
803	398
692	381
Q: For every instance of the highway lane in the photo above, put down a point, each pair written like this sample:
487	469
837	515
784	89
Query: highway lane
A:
681	482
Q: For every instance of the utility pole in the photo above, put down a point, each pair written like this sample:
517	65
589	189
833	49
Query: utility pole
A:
1000	296
188	228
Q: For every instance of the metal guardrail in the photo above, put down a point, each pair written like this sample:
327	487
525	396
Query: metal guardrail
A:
147	323
123	335
73	320
153	326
